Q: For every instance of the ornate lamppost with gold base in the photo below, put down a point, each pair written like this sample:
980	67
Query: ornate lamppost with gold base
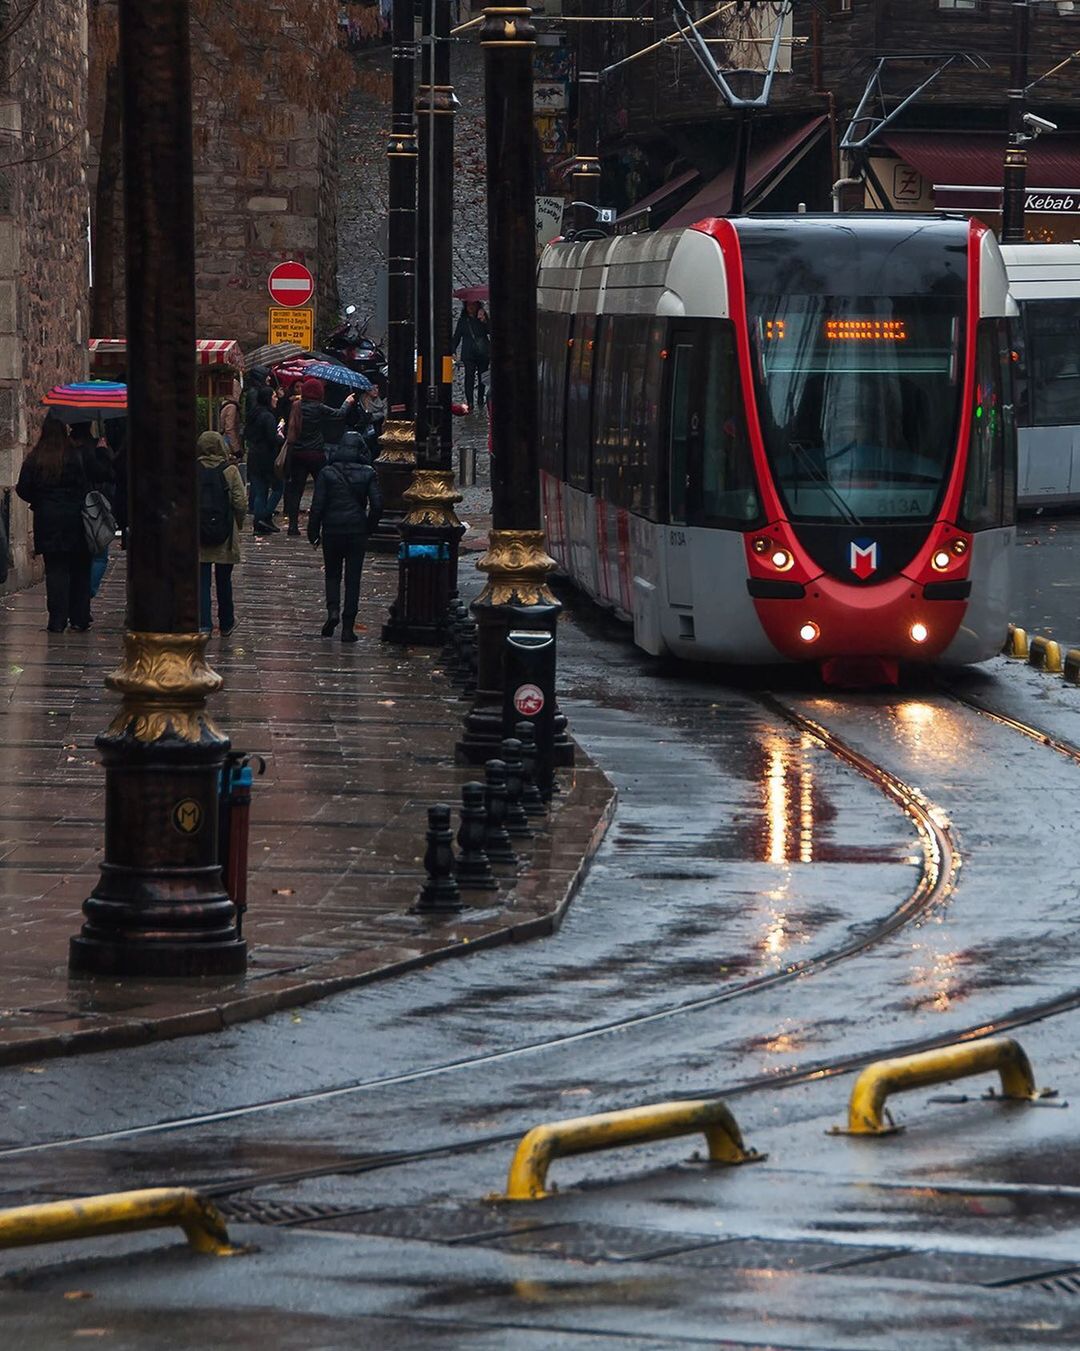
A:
516	595
160	907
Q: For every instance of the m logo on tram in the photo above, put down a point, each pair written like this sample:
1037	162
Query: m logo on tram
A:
863	558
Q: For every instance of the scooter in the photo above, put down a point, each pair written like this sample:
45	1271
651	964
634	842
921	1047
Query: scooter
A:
350	343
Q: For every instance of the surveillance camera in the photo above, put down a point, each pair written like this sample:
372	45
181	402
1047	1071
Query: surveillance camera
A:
1038	124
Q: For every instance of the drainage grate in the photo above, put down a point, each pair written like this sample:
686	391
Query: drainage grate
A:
962	1268
1066	1283
584	1242
780	1254
249	1211
434	1224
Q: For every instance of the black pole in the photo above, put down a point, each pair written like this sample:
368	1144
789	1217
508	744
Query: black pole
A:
1014	195
585	171
742	159
430	530
159	908
397	444
517	595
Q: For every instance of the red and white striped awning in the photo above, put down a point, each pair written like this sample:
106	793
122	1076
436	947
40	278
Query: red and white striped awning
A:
208	351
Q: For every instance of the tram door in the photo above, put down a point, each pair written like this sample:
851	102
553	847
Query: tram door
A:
683	435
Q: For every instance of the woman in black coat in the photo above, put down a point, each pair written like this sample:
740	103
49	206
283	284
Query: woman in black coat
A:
263	443
344	510
55	478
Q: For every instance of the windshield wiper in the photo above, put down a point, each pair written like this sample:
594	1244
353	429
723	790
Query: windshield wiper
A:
822	479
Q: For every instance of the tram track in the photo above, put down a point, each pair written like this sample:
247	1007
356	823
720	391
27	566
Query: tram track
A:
1036	734
941	862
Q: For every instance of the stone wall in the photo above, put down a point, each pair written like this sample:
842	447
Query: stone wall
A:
265	192
43	247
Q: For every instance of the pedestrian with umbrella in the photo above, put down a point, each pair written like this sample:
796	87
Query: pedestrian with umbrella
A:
473	337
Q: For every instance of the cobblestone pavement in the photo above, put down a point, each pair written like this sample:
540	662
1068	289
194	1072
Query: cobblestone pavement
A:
359	741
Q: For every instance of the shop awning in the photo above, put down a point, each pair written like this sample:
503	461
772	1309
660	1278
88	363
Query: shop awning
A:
208	351
768	163
965	169
661	196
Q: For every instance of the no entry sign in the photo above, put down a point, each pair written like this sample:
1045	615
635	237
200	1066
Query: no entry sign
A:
291	284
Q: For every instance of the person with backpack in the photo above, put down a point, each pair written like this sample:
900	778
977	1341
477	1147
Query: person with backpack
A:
222	509
309	419
344	510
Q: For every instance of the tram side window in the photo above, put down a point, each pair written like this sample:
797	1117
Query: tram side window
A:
553	331
1053	362
723	490
579	403
625	399
986	501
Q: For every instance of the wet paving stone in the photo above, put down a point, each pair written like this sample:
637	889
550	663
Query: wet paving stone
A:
358	742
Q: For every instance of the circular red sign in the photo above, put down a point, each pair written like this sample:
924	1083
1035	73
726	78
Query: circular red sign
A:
528	700
291	284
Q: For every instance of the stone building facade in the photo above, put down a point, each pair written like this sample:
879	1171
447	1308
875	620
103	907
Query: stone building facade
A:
44	278
265	192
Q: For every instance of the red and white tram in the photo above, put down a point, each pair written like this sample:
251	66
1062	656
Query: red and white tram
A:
785	438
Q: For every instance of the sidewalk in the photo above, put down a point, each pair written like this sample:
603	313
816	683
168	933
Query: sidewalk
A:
359	741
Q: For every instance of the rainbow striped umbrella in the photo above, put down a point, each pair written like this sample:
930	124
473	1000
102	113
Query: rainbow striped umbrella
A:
87	401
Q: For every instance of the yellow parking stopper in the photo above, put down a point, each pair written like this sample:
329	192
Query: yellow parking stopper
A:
1016	643
119	1213
610	1130
866	1110
1045	655
1071	671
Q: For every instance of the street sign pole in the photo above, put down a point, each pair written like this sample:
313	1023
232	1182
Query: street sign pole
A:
517	595
159	907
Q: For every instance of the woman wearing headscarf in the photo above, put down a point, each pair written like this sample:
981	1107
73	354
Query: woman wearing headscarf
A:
263	444
222	508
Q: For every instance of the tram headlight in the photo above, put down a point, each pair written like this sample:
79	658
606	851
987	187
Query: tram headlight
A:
809	632
959	546
761	544
941	560
782	560
919	632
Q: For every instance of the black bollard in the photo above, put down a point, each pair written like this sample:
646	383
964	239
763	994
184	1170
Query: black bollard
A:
517	823
532	800
496	841
473	866
439	894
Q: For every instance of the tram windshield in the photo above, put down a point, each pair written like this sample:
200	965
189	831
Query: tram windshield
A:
859	399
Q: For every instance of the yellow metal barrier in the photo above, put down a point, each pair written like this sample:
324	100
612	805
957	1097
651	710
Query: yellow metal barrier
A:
866	1110
119	1213
1045	655
1072	666
610	1130
1016	644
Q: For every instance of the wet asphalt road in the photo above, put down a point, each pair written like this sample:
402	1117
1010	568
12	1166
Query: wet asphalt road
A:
741	847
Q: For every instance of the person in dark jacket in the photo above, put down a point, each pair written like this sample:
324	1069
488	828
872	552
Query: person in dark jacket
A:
344	510
307	443
263	443
54	479
474	340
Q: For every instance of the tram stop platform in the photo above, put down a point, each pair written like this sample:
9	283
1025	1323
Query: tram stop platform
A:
358	742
